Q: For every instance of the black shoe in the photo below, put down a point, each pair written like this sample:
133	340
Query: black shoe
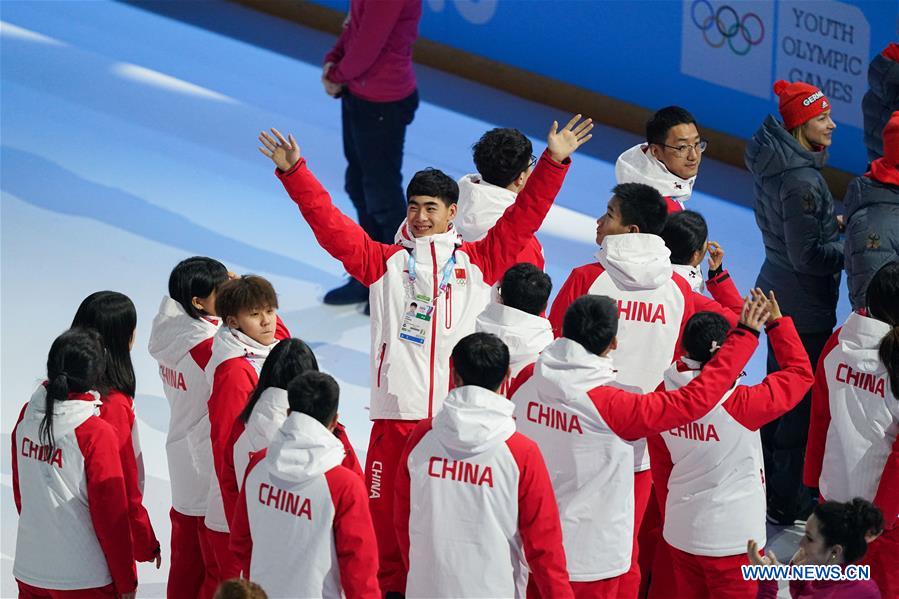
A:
779	516
353	292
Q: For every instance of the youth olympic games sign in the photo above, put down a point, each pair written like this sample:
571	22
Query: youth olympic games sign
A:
739	45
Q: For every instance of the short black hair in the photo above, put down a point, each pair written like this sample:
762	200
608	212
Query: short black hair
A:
525	287
684	233
664	119
501	155
481	359
315	394
197	276
702	331
433	183
641	205
592	321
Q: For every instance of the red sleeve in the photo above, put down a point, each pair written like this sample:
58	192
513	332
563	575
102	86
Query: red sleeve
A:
632	415
660	458
538	520
499	250
202	352
17	496
372	31
768	589
776	395
887	496
228	475
402	483
673	205
232	385
281	330
526	373
337	51
577	284
107	500
240	541
363	258
351	461
117	410
726	294
819	419
354	535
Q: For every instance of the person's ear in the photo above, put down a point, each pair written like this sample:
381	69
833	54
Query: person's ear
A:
231	321
457	380
613	345
656	151
520	180
453	208
633	229
195	302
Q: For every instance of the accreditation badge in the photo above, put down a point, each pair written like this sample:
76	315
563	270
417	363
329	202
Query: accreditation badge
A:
416	323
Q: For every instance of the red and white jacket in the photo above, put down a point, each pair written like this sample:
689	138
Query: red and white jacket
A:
712	468
526	335
182	345
232	372
584	426
267	417
474	507
638	165
853	440
297	495
409	381
726	299
79	489
118	410
480	206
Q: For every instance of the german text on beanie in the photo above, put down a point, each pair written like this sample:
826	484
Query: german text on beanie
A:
799	102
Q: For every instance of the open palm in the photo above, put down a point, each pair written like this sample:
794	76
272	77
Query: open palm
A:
283	152
562	143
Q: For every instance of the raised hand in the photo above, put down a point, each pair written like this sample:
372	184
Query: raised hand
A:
562	144
283	152
752	552
773	307
716	255
755	310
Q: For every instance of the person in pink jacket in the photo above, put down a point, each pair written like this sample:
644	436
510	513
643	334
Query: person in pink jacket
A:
74	538
836	534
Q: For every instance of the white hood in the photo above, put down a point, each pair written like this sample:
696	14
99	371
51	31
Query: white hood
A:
473	420
268	415
449	238
636	260
302	449
676	376
860	337
566	366
231	343
692	275
67	415
174	332
638	165
480	206
524	334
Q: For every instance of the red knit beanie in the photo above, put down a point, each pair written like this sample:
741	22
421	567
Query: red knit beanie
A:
886	169
799	102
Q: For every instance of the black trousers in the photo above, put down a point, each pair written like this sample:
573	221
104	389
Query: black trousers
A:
783	440
374	134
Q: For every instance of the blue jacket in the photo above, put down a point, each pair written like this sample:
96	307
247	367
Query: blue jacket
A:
794	210
879	102
872	233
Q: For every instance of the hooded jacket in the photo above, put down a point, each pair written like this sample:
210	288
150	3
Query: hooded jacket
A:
182	346
267	417
794	210
409	379
474	505
638	165
584	425
73	510
232	372
882	98
872	232
711	470
480	206
853	441
653	306
524	334
296	494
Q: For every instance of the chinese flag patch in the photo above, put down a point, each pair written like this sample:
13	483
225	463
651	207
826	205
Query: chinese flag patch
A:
460	273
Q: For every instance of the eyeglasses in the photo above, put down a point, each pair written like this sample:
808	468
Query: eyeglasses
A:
684	149
532	161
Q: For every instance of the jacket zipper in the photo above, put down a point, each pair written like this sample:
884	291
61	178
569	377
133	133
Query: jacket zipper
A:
433	333
448	319
381	361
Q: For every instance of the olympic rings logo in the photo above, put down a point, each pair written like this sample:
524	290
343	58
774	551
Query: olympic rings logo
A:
725	26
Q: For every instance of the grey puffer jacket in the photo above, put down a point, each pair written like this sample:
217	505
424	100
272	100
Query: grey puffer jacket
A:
879	102
872	233
794	210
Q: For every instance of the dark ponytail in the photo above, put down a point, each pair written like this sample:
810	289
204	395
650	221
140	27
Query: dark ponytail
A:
882	304
74	365
288	359
849	525
703	334
113	315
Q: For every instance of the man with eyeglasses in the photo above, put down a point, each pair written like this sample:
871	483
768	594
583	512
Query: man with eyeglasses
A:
504	160
669	160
